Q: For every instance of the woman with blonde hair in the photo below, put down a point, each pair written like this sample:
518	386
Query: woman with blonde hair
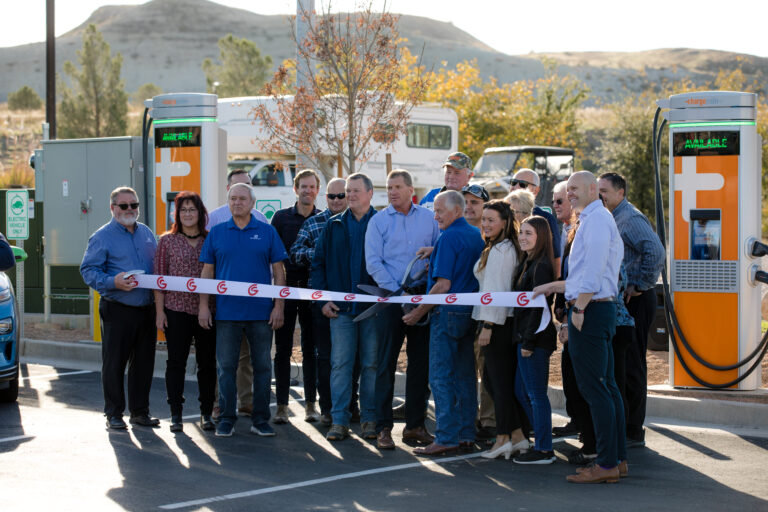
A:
522	202
494	271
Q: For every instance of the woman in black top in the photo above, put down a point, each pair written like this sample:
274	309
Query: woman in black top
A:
535	348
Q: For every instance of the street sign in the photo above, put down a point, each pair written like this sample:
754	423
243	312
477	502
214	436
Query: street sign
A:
17	214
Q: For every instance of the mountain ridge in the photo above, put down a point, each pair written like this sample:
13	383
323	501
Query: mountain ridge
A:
165	42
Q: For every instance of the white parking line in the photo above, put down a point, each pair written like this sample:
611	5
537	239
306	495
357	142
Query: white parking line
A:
53	375
14	438
317	481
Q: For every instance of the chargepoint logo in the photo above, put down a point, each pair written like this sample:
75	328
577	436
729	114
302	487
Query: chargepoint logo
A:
161	283
221	287
191	286
690	182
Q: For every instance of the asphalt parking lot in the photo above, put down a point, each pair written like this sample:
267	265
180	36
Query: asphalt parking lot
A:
56	453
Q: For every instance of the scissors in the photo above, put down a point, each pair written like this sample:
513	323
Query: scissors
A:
383	292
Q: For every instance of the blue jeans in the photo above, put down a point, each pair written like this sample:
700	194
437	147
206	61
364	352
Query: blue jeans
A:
347	338
452	373
592	356
229	335
531	390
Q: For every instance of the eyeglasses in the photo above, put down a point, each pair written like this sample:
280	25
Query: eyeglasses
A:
336	196
477	191
188	210
559	201
520	183
125	206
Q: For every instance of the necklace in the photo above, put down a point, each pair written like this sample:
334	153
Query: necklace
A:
190	236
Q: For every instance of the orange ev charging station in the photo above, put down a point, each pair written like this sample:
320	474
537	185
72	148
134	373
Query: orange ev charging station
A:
190	153
714	223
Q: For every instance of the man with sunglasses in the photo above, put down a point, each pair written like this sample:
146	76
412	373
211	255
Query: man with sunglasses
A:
301	253
127	314
527	179
458	171
475	197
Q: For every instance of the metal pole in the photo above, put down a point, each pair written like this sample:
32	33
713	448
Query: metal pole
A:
46	293
305	15
20	290
50	67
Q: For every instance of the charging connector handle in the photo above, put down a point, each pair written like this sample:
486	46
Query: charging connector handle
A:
759	250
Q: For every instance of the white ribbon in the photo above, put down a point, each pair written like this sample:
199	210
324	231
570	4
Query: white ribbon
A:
268	291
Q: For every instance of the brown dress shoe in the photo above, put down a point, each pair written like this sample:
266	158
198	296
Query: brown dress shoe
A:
417	435
384	440
623	469
434	449
595	475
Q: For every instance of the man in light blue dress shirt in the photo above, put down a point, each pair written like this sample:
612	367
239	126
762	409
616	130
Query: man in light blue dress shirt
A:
391	241
590	291
127	314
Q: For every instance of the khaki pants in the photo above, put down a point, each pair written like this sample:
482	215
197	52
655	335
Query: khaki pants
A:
486	415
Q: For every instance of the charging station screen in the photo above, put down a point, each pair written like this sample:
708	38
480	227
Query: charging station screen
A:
706	143
705	234
177	137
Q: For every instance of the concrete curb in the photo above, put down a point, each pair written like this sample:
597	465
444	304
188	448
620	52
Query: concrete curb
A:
86	355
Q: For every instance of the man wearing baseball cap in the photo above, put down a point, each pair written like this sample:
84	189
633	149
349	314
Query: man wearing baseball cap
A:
458	170
475	197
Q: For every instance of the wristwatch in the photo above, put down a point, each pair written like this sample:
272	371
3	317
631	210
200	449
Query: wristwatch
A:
488	325
576	310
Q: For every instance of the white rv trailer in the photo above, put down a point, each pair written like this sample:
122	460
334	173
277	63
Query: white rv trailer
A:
432	134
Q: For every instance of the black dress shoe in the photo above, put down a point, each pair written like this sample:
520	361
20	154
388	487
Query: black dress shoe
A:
176	424
569	429
206	422
116	423
145	420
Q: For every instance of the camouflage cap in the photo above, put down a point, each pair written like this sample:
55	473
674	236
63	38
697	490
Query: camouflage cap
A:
458	160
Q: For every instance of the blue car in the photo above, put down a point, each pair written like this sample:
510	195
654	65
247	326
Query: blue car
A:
9	331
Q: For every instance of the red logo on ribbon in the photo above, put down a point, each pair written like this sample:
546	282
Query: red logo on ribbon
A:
416	298
284	292
522	299
317	294
253	290
383	299
221	287
349	296
486	298
451	298
191	286
161	283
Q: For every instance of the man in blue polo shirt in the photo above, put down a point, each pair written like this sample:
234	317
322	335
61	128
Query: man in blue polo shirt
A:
452	330
243	249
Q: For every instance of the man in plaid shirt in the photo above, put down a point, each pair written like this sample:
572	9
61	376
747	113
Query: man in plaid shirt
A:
301	253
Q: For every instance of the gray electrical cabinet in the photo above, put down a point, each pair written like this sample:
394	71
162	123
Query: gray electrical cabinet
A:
77	176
